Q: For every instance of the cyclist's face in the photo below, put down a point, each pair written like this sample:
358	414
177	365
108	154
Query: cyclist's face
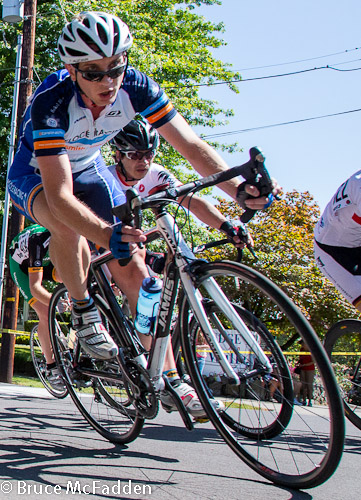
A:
102	92
136	169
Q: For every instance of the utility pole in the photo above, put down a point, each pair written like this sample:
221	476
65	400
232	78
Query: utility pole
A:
17	220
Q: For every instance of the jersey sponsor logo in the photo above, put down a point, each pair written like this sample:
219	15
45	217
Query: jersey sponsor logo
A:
79	119
56	105
341	194
319	262
114	113
52	122
74	148
37	134
356	218
41	145
166	177
16	191
86	137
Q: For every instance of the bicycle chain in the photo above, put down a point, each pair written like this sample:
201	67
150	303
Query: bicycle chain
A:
144	397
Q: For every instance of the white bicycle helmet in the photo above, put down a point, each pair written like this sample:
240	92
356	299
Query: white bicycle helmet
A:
91	36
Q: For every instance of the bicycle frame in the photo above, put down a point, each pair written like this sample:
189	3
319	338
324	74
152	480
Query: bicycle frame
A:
178	269
184	260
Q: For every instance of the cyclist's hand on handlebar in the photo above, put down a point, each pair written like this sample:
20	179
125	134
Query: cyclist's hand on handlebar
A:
123	240
248	196
238	235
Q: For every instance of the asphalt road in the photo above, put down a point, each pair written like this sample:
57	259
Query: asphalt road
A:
48	451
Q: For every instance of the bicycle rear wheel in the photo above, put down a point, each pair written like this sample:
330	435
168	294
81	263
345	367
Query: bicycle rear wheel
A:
343	346
39	363
294	446
95	386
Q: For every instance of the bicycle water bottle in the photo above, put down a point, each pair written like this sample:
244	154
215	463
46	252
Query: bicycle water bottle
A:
148	304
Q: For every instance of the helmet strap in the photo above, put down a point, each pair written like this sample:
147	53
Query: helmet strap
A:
125	174
80	90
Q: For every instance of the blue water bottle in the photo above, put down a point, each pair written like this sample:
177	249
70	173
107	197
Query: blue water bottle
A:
148	304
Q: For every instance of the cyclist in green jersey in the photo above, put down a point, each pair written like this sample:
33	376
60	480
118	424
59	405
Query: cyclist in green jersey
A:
30	265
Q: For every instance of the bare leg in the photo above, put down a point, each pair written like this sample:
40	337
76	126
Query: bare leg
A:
43	331
129	279
69	251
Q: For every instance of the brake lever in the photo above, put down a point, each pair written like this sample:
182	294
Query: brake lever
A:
130	214
257	175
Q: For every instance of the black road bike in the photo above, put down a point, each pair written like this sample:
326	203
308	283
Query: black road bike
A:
292	446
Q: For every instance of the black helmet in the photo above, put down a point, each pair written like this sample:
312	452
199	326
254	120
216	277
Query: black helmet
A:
138	135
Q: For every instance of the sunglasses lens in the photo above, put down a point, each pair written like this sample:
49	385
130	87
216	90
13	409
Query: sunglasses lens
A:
92	76
116	72
133	155
150	154
97	76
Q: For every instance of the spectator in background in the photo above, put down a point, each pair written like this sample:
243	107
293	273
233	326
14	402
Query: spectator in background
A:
307	375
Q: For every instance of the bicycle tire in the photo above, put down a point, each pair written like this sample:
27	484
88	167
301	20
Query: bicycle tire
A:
39	363
309	450
98	399
342	343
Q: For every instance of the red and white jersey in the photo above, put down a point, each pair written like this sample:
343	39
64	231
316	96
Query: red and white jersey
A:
340	223
156	176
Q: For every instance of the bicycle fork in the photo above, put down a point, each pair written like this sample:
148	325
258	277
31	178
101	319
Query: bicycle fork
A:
195	299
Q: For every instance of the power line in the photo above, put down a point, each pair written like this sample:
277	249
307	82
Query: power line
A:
298	61
242	131
267	77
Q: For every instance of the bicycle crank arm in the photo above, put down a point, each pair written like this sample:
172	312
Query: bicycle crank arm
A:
179	404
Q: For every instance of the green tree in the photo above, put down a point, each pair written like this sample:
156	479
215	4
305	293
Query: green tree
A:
283	237
172	44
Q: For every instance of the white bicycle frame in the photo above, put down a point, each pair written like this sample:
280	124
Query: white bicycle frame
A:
177	246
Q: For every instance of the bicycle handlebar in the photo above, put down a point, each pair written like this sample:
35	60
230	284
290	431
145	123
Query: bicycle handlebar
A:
253	171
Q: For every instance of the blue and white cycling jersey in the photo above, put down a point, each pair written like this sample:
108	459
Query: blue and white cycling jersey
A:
57	121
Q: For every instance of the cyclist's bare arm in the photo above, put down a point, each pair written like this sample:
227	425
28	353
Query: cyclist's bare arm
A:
204	159
206	212
36	288
64	206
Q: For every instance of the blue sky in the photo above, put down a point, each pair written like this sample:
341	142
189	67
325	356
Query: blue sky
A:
316	155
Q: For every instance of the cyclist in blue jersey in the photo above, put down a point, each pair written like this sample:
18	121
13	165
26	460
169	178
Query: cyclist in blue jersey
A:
58	178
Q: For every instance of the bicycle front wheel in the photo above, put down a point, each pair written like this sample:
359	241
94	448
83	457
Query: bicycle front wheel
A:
291	445
39	363
95	386
343	346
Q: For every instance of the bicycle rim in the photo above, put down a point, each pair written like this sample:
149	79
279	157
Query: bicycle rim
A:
343	346
39	363
309	446
101	396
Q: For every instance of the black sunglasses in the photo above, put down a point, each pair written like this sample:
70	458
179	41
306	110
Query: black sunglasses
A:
97	76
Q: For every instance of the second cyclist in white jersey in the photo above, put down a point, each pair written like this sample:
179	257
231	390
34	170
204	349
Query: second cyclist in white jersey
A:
338	240
136	147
